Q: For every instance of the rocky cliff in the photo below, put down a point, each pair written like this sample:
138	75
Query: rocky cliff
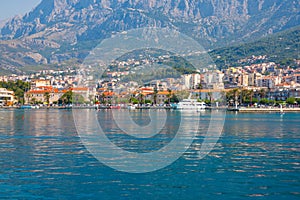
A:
56	26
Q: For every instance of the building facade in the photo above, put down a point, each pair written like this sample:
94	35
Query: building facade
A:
7	98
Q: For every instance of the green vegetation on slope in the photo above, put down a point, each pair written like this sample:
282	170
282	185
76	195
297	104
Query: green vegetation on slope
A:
281	48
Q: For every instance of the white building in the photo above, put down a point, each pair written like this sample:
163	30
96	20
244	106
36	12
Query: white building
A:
268	81
6	97
191	81
214	80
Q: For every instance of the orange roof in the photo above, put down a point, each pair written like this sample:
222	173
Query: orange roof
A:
54	90
45	87
146	88
213	90
108	93
36	92
80	88
146	93
165	92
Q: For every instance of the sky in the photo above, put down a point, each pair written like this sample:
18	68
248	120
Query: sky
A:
10	8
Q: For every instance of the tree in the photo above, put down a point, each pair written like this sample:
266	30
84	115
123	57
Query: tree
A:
174	99
19	87
147	101
264	101
33	101
155	95
70	97
169	95
262	93
251	94
199	86
291	100
141	98
272	102
66	98
210	97
244	96
102	98
47	98
133	100
27	97
254	100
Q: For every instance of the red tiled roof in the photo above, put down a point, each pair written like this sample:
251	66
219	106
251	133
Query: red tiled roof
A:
165	92
108	93
79	89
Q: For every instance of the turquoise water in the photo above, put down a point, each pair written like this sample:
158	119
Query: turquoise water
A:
42	157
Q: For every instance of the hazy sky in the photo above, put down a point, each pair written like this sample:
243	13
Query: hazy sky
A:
10	8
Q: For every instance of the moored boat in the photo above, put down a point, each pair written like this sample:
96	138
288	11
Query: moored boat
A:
191	104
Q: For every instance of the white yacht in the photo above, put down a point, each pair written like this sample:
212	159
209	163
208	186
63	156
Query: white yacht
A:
191	104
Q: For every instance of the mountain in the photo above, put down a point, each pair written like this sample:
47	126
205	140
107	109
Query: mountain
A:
59	30
282	48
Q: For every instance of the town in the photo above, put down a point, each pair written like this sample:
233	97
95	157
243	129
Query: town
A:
262	83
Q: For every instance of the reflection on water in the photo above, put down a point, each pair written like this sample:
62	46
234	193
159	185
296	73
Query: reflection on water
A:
42	157
126	152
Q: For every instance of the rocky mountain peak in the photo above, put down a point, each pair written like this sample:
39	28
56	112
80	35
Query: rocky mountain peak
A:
213	23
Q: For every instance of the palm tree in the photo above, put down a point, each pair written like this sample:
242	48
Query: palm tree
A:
169	95
251	94
102	98
210	96
155	95
200	87
244	95
262	93
28	96
141	98
47	98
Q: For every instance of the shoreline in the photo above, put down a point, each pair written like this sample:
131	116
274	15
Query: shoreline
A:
229	109
267	110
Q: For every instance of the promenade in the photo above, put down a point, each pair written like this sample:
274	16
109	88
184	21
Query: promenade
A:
270	109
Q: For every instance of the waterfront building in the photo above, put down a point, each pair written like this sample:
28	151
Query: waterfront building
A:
163	96
85	92
7	97
41	94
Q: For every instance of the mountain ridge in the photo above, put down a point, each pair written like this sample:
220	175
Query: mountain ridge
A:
47	33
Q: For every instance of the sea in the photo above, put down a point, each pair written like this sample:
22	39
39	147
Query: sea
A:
44	155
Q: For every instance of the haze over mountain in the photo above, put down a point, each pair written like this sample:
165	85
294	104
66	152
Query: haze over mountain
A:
59	30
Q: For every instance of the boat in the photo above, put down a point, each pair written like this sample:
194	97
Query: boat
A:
114	107
191	104
131	107
25	107
29	107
